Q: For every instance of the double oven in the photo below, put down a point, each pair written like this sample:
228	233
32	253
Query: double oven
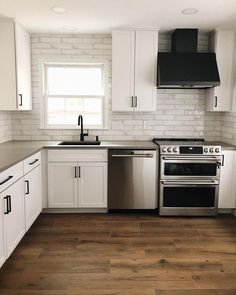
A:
189	179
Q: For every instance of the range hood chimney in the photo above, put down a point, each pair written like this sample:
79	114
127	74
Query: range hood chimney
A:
184	67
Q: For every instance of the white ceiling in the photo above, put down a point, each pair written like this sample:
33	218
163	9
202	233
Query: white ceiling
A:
105	15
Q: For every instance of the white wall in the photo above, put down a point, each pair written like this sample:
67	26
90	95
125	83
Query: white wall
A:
179	112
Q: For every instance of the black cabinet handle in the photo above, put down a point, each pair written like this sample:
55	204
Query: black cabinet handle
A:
27	187
79	175
32	163
132	101
4	181
6	198
21	101
136	101
75	172
223	160
216	101
9	198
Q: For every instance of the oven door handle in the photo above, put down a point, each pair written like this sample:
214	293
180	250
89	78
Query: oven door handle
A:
186	182
179	159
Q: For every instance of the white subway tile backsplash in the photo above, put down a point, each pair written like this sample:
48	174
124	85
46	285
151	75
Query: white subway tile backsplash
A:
180	112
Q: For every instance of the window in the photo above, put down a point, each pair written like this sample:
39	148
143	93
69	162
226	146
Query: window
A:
71	90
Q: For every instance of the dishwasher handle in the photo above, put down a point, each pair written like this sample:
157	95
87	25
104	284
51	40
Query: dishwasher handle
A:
133	156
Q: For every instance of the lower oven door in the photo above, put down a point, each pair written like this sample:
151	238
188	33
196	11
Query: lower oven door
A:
185	198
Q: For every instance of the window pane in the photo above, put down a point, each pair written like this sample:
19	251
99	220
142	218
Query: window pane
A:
65	111
75	80
92	105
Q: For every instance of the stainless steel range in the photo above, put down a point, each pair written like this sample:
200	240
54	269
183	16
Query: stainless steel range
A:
189	177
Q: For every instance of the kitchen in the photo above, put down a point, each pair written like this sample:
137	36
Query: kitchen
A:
89	205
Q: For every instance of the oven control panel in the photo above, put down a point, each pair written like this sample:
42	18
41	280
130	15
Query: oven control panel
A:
190	150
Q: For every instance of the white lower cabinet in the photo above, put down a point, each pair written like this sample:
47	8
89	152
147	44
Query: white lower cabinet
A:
80	184
93	185
2	240
33	196
227	189
13	215
62	189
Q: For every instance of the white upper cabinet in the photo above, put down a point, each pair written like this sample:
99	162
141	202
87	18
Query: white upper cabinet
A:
220	98
134	63
23	68
15	70
122	70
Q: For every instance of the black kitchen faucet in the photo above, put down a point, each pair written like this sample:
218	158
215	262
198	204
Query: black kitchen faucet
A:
80	123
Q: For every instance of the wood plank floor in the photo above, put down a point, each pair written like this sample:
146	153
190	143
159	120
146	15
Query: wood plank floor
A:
123	255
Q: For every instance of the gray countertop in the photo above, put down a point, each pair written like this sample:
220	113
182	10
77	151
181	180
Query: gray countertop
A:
225	146
12	152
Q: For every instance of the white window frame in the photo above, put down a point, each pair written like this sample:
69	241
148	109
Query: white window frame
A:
44	93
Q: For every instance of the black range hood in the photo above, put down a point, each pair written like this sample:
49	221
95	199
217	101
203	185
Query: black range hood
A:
184	67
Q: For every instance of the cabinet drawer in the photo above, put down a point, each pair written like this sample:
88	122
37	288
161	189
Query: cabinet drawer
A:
32	162
10	175
73	155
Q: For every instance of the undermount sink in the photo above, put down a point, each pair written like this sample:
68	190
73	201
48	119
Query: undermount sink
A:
80	143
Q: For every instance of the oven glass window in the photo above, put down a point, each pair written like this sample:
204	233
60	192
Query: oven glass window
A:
190	169
189	196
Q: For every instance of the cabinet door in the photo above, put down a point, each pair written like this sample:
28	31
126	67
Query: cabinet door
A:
62	185
122	70
220	98
146	43
8	67
33	196
2	238
93	185
23	68
227	190
14	221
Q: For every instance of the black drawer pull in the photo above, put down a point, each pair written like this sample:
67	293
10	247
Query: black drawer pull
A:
32	163
4	181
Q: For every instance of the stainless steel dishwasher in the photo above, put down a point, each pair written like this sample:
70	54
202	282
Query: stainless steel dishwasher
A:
132	179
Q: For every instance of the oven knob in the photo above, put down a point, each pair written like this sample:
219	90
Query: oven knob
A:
164	149
211	150
175	150
169	149
205	150
217	150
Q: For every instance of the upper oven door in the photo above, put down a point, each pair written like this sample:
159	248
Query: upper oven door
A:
184	167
